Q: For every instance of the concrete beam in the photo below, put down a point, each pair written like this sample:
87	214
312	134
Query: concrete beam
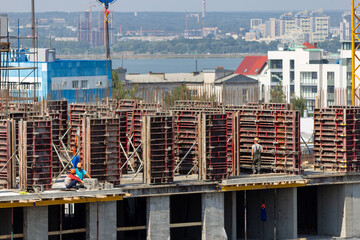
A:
36	223
101	220
158	217
213	219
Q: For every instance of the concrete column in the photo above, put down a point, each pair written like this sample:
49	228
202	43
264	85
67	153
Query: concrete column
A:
339	210
158	218
286	221
101	220
213	216
36	223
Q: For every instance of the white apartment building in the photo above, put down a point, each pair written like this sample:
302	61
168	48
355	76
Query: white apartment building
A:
305	71
313	26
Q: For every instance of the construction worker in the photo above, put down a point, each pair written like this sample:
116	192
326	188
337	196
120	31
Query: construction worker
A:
256	151
80	172
72	180
76	159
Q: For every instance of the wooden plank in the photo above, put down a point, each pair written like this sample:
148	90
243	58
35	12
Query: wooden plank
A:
189	224
136	228
70	231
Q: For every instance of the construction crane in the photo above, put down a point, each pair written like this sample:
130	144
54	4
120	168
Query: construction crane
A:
355	40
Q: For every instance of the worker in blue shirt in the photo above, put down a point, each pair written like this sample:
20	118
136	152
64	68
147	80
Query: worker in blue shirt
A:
80	172
76	159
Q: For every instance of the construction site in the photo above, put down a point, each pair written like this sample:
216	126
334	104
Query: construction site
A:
180	172
149	164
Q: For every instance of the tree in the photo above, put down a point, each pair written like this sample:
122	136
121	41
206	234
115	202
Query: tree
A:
300	104
277	94
120	91
181	92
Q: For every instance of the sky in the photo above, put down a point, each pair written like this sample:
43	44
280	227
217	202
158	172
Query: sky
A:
176	5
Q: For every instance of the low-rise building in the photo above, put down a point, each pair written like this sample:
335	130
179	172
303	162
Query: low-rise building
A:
52	78
220	84
306	71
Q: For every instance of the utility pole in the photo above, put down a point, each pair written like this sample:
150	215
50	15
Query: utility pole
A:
107	32
33	23
108	58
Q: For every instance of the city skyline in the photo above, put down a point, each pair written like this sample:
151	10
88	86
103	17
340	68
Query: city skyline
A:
180	6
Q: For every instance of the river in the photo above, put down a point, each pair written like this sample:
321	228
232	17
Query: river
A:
175	65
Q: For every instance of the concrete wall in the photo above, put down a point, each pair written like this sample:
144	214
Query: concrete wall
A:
339	210
213	216
158	218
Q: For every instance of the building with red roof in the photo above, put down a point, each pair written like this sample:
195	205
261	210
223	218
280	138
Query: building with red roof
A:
252	65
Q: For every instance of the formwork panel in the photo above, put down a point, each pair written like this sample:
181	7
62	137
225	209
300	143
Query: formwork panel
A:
159	155
337	138
35	153
5	174
279	134
216	146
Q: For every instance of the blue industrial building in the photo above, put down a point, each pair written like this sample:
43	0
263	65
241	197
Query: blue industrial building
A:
75	80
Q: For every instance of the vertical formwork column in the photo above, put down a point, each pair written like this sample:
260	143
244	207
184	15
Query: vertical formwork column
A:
213	222
5	161
159	149
158	217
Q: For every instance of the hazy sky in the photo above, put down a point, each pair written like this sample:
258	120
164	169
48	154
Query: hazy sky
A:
177	5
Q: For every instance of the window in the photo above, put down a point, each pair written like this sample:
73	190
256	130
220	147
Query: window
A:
308	78
276	64
84	84
292	76
292	64
245	70
75	84
308	91
330	78
276	77
256	70
245	95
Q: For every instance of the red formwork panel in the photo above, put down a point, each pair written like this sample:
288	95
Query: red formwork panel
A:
77	114
59	107
5	142
127	104
56	135
230	152
161	149
277	106
134	134
121	115
337	138
279	134
187	124
103	155
216	146
35	153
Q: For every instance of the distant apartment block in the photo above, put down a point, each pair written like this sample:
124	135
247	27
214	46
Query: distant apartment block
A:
311	26
86	32
255	22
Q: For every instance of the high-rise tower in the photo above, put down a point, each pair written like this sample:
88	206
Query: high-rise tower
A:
203	9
